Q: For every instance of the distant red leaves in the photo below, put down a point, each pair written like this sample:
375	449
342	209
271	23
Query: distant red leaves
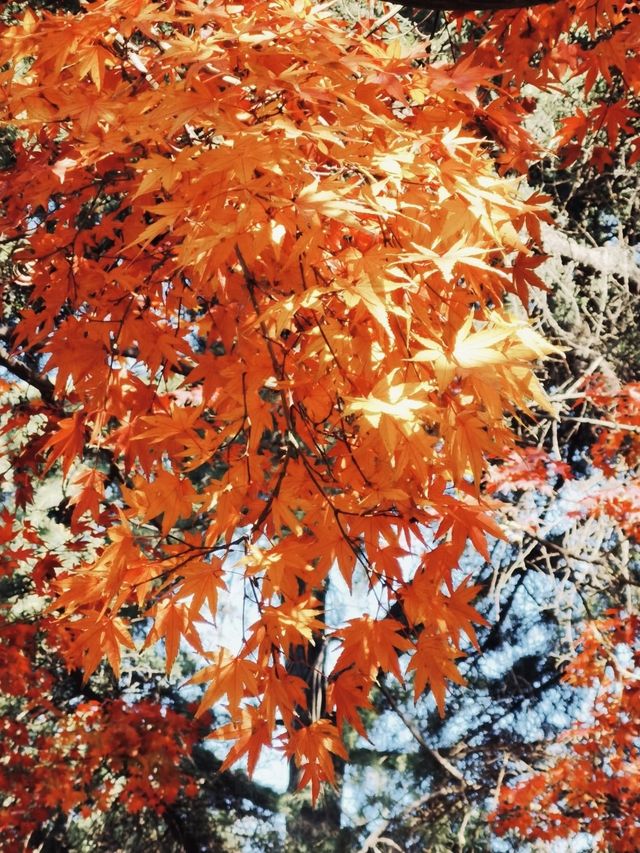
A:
593	785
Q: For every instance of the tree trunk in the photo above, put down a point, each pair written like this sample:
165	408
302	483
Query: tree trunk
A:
313	828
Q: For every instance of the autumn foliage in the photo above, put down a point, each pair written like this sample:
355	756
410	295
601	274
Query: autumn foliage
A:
92	756
592	784
258	319
61	755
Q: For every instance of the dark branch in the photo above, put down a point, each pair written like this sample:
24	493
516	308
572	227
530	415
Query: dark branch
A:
40	383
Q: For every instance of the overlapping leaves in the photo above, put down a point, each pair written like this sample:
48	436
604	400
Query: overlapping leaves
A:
266	265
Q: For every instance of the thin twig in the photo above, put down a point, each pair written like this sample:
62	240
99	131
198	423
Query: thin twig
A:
603	423
415	733
393	11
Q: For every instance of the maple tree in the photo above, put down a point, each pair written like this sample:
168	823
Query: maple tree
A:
258	271
129	750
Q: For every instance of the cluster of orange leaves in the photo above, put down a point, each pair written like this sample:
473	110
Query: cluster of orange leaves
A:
594	784
593	43
265	261
61	755
618	445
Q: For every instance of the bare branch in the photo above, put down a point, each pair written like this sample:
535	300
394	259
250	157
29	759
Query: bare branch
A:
614	425
607	260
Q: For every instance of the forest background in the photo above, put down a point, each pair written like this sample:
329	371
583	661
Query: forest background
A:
131	512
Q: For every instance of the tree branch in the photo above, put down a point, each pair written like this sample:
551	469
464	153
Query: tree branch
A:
377	835
40	383
599	422
415	733
606	260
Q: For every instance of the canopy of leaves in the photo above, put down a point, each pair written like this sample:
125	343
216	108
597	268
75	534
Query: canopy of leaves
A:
262	267
267	295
